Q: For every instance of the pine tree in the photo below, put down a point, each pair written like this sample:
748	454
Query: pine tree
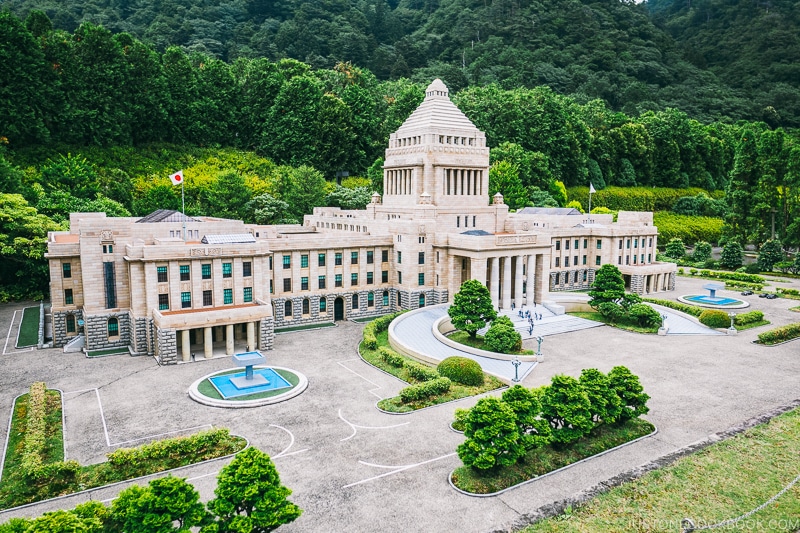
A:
493	438
731	255
608	286
472	307
771	252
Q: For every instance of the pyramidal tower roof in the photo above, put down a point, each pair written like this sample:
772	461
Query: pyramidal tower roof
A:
436	112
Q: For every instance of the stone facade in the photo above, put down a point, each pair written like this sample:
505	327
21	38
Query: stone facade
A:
60	334
183	285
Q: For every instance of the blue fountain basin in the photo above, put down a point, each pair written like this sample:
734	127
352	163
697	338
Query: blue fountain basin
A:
266	379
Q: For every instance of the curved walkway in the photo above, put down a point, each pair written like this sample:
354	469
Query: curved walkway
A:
680	324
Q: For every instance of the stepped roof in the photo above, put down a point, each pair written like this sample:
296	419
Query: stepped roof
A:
436	112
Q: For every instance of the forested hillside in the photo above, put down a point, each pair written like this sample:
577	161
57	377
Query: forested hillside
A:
711	63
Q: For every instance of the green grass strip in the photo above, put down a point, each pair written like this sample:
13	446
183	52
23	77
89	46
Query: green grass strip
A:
547	459
720	482
206	388
287	329
107	351
29	328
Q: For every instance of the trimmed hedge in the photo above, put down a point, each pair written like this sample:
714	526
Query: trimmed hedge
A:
790	292
714	318
636	198
678	306
748	318
734	276
690	229
781	334
391	357
421	372
424	390
461	370
378	325
743	285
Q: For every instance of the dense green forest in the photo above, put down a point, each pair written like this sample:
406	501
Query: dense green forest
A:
93	120
713	59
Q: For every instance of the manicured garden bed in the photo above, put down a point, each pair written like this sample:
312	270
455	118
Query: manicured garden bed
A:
35	470
779	335
207	389
597	317
107	351
29	328
540	461
462	337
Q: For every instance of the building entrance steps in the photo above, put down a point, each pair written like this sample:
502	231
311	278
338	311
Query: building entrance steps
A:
550	323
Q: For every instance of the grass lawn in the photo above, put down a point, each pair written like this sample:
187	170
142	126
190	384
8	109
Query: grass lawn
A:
597	317
720	482
207	389
18	489
394	405
752	325
29	328
543	460
287	329
462	337
107	351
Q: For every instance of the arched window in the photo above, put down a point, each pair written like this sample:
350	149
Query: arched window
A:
422	300
355	301
386	298
305	306
371	299
113	327
70	323
287	308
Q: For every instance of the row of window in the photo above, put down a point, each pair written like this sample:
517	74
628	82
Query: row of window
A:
575	261
628	259
337	258
577	244
208	298
205	271
338	280
635	243
323	304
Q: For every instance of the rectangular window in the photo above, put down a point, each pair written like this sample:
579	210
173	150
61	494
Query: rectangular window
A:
110	285
70	323
650	242
400	277
599	244
628	244
113	327
337	281
619	260
66	270
323	305
184	272
353	279
370	278
206	270
627	260
304	261
353	258
271	287
575	261
642	259
386	298
634	259
566	244
370	257
270	262
68	296
597	260
321	282
338	259
421	278
421	259
620	244
227	296
584	260
385	256
576	243
163	302
247	269
585	243
566	261
636	243
458	222
287	262
558	261
304	283
649	258
384	276
161	272
558	245
248	294
207	300
399	257
287	284
186	300
227	270
321	260
371	300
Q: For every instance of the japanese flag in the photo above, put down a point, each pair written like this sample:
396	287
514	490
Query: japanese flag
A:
591	188
177	178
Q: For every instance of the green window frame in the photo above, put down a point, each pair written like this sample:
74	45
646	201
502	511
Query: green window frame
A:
163	302
287	262
421	278
354	278
599	244
321	260
205	269
113	327
248	294
247	269
321	282
370	278
227	270
304	283
161	274
185	273
227	296
371	300
68	296
597	260
66	270
337	259
304	261
338	280
353	258
323	305
186	300
386	298
370	257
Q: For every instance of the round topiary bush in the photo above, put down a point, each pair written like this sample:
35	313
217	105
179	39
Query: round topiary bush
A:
714	318
462	370
503	339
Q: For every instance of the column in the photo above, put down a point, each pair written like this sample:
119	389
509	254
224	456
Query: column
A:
208	343
506	282
518	281
541	279
229	339
186	349
478	270
494	284
251	336
530	281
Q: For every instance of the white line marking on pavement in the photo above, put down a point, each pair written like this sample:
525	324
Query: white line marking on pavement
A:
190	479
102	417
371	391
14	316
291	443
356	427
397	469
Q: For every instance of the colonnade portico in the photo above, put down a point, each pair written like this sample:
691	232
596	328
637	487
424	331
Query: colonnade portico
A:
226	332
511	278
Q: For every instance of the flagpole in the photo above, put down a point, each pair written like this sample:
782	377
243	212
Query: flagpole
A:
183	212
590	203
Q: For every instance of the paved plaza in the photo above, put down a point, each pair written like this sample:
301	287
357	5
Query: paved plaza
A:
353	468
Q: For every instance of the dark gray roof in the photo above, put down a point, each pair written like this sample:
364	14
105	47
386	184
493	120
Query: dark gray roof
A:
479	232
167	215
549	211
235	238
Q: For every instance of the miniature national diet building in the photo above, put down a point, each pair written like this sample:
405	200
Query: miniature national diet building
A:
178	287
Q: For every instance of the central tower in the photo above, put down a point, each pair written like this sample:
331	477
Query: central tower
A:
437	156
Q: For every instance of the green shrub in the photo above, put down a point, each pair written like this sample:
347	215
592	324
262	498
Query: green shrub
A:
605	405
630	392
644	315
689	229
424	390
391	357
503	339
750	317
460	418
714	318
611	311
743	285
461	370
378	325
32	462
637	198
678	306
566	407
421	372
790	292
492	436
781	334
370	340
